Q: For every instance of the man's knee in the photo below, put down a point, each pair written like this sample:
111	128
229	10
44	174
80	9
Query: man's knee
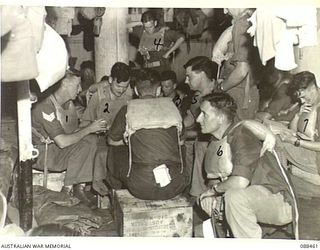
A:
234	197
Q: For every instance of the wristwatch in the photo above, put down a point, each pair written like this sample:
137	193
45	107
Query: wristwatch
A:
214	189
220	87
297	142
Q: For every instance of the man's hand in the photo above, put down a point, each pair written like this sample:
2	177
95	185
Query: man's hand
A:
98	126
208	201
166	55
262	116
305	108
268	143
288	136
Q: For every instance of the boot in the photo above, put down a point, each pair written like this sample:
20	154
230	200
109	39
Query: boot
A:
78	191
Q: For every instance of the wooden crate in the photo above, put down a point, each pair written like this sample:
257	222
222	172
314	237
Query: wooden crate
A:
135	217
55	180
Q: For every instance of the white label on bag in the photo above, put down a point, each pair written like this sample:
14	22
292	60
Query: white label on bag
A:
162	175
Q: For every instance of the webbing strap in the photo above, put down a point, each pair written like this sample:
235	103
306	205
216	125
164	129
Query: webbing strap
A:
45	166
130	156
3	216
292	193
180	152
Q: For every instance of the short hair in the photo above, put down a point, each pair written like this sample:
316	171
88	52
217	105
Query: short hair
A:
120	71
148	15
303	79
203	63
169	75
147	80
223	102
299	81
184	88
87	74
87	65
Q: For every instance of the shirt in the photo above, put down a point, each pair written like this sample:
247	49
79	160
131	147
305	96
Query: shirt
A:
44	120
149	146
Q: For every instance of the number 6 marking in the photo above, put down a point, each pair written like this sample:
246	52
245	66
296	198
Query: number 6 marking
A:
220	151
306	124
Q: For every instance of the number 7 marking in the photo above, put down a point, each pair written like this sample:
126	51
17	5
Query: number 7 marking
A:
306	124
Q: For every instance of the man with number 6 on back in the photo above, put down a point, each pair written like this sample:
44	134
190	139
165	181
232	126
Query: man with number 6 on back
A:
252	180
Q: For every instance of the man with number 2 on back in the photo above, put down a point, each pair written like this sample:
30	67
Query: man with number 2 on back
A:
107	99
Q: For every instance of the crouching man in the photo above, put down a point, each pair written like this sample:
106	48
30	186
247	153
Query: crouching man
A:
61	144
151	165
257	189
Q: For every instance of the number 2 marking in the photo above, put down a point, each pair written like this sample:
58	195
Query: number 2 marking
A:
220	151
306	124
106	108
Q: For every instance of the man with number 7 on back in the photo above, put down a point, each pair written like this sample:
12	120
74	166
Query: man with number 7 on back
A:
253	182
300	144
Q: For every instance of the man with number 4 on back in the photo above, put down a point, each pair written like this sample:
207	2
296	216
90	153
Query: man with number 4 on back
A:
253	182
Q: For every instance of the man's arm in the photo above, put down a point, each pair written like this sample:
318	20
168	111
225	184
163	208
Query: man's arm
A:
239	73
174	47
65	140
115	143
118	127
90	112
233	182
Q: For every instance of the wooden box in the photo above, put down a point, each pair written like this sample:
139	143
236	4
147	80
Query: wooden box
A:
55	181
168	218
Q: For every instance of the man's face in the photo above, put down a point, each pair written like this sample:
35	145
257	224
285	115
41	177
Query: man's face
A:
234	12
168	87
193	78
309	95
209	118
149	26
73	86
118	88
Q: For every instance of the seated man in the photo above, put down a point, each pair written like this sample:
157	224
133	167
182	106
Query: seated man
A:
107	99
108	96
179	94
55	123
155	170
301	144
257	190
169	84
201	75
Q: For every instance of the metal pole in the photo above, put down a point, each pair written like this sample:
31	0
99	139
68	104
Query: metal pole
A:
26	154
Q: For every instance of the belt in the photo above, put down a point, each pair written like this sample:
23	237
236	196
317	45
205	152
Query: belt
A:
153	64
